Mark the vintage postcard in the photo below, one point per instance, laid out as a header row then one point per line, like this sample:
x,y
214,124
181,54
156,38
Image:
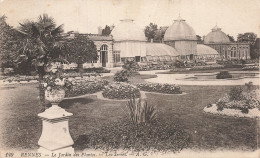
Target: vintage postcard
x,y
129,78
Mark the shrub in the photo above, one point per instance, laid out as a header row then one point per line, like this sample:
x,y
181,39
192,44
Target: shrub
x,y
160,88
179,64
223,75
81,87
140,112
249,85
235,93
123,134
121,76
131,66
120,90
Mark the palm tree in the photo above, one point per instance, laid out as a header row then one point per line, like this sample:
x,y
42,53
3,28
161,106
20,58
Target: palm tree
x,y
41,42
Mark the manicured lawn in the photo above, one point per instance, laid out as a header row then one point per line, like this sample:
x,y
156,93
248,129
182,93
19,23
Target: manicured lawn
x,y
21,128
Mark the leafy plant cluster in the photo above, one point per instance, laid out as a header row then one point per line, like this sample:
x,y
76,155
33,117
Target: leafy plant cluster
x,y
19,78
54,78
123,134
120,90
187,64
223,75
140,112
85,86
239,63
150,66
131,66
160,88
238,99
89,70
77,74
232,63
122,76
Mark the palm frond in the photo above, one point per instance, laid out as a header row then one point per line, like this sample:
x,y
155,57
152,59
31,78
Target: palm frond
x,y
20,31
46,21
57,30
35,31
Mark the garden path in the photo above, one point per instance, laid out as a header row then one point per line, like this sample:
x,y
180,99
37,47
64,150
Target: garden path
x,y
178,79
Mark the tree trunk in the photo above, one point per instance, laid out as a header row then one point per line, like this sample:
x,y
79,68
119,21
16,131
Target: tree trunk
x,y
41,88
80,69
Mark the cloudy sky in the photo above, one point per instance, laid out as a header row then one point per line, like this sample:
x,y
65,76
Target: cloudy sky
x,y
233,16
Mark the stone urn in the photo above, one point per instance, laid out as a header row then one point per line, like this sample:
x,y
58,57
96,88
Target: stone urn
x,y
55,96
55,137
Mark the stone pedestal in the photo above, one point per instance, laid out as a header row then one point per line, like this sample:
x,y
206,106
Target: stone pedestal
x,y
55,131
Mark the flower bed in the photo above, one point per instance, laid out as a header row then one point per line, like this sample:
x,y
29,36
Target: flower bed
x,y
252,113
81,87
255,67
160,88
238,101
77,74
207,67
89,70
120,90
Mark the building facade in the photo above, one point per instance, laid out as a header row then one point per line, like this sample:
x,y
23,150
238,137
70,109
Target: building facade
x,y
219,41
128,42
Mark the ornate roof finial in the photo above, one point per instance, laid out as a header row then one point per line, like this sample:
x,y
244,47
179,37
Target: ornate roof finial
x,y
216,28
179,18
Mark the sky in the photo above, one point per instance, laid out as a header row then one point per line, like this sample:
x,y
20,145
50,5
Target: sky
x,y
85,16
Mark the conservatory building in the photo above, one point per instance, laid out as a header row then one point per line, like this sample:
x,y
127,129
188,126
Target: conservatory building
x,y
128,42
219,41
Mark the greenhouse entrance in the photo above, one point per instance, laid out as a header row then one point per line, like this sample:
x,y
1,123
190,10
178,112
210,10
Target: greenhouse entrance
x,y
103,55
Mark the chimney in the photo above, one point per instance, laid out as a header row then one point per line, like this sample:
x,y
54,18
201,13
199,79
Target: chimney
x,y
100,30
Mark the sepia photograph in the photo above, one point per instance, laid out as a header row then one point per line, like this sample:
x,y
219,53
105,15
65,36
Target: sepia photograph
x,y
129,78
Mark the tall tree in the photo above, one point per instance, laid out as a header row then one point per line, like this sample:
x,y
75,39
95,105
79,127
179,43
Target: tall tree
x,y
81,50
150,31
159,35
249,37
231,38
41,43
106,31
8,44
